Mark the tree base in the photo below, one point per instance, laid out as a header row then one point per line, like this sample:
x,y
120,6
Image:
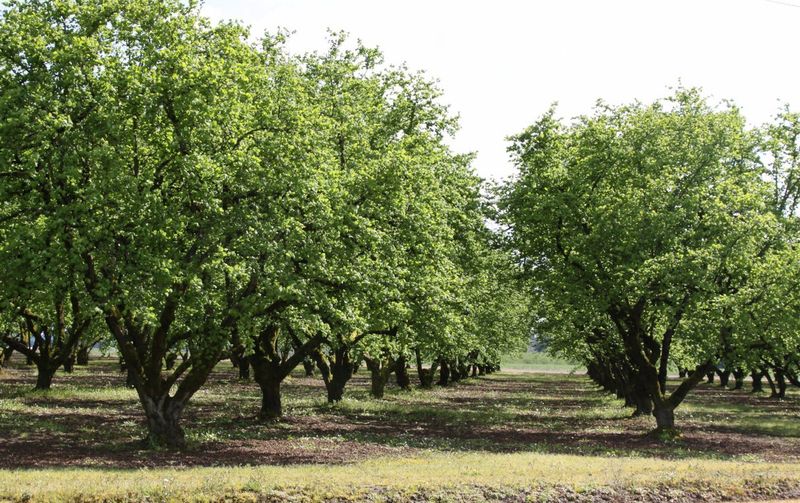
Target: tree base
x,y
665,434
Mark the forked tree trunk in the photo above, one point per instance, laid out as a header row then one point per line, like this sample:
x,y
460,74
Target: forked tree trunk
x,y
270,368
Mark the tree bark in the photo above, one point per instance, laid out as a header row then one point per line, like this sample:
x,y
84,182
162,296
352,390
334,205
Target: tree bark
x,y
444,372
82,356
724,377
665,418
425,375
44,377
308,367
163,422
69,364
757,381
341,372
5,356
270,399
401,373
738,377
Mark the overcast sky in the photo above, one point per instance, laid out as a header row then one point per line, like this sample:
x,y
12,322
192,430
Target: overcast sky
x,y
501,63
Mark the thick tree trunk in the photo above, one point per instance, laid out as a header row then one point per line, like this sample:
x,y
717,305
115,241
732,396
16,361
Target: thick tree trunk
x,y
641,401
44,377
665,418
82,356
710,377
130,379
5,356
757,381
69,363
377,383
244,369
341,372
163,423
738,377
401,373
724,377
270,399
425,375
444,373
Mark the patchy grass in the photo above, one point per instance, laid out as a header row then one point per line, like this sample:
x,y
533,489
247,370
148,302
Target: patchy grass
x,y
539,362
477,476
515,435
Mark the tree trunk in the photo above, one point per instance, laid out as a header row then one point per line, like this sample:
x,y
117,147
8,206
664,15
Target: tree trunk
x,y
244,369
710,377
401,373
130,379
377,382
82,357
724,377
444,373
738,376
44,377
270,398
425,375
780,379
336,385
774,393
757,384
308,366
665,418
163,423
69,363
5,356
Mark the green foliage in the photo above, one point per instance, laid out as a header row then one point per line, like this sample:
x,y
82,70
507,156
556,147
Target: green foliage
x,y
640,225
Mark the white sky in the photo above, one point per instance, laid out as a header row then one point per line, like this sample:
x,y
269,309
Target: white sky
x,y
501,62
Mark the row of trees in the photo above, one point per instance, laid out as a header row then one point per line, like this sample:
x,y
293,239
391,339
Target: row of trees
x,y
199,196
658,237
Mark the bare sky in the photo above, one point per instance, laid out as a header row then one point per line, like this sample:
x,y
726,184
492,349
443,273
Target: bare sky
x,y
501,62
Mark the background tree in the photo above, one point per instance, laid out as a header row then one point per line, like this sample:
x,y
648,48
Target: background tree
x,y
636,221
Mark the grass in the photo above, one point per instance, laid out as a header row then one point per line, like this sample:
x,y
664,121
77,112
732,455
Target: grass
x,y
539,362
430,474
514,435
